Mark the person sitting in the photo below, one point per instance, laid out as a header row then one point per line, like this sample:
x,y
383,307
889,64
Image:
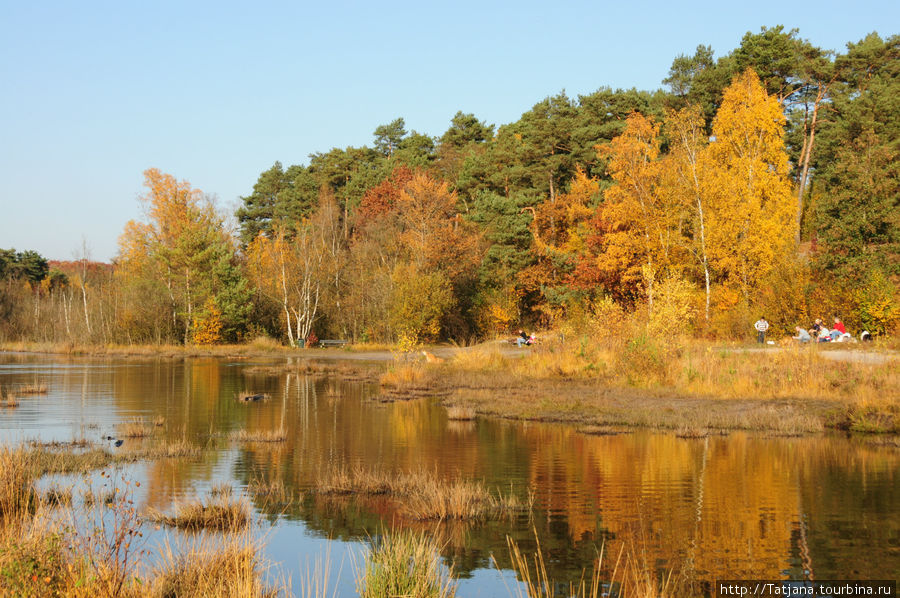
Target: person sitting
x,y
816,327
802,335
839,332
824,335
522,339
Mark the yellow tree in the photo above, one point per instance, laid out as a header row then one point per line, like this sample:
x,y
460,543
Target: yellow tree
x,y
640,221
184,248
559,228
686,180
436,238
751,222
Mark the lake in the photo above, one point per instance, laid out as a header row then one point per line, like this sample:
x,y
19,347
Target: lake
x,y
737,506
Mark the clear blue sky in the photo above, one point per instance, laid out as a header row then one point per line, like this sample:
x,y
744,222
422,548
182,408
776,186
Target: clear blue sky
x,y
93,93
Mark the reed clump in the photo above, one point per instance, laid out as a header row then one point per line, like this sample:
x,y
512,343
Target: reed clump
x,y
424,496
279,435
57,496
405,564
460,413
61,458
10,401
403,376
629,576
269,491
219,514
18,497
35,388
136,428
230,568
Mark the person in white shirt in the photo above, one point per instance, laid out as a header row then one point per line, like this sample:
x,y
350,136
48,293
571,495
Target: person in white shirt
x,y
761,327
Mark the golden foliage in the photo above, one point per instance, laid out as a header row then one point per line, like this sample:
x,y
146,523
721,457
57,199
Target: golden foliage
x,y
207,328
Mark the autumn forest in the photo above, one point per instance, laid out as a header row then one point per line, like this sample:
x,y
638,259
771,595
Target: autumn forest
x,y
762,182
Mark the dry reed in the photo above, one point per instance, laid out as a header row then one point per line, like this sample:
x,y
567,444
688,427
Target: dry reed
x,y
404,564
36,388
220,514
57,496
424,496
271,491
136,428
229,568
629,577
279,435
459,413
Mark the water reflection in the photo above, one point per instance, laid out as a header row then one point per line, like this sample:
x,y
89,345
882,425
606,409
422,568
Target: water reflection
x,y
741,506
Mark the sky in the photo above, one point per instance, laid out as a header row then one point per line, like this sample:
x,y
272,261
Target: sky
x,y
94,93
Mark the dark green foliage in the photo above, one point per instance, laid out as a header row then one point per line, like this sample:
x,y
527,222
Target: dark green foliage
x,y
465,129
28,265
389,136
858,213
279,196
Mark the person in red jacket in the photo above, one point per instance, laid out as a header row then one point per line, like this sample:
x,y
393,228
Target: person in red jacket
x,y
838,330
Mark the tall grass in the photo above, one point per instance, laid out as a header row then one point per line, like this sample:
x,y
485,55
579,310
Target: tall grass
x,y
629,576
101,553
424,496
226,568
650,381
279,435
220,513
17,476
404,564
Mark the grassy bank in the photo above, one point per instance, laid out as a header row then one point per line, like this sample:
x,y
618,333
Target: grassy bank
x,y
261,347
674,384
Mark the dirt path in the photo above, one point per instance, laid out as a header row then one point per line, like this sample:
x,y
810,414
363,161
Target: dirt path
x,y
849,355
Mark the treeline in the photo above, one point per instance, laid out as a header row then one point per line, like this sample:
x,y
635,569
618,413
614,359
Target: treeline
x,y
764,182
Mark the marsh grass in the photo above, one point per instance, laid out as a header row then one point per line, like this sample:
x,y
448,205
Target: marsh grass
x,y
599,430
52,459
403,376
423,496
673,384
102,496
10,401
57,496
221,490
629,576
222,513
279,435
691,433
136,428
459,413
101,555
227,568
35,388
18,497
269,491
404,563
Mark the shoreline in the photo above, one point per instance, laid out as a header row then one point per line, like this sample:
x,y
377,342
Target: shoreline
x,y
496,380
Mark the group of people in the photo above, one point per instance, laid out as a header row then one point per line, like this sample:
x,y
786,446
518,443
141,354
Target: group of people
x,y
821,334
524,339
818,333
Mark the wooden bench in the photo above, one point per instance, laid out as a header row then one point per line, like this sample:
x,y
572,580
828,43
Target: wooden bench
x,y
332,343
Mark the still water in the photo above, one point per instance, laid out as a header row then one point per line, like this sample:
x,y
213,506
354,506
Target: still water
x,y
725,507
